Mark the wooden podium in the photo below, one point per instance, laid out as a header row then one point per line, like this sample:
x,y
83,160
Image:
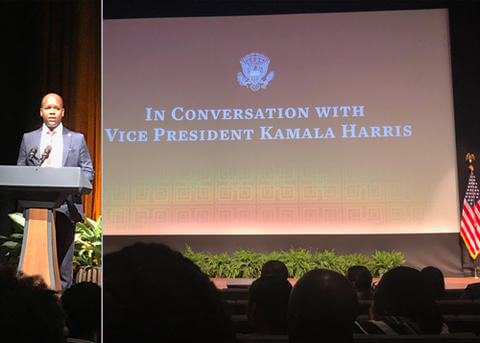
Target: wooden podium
x,y
39,191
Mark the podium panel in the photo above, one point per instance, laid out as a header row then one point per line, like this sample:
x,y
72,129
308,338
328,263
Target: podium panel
x,y
39,248
39,191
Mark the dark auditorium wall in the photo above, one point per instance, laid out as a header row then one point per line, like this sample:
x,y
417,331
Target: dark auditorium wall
x,y
465,52
50,46
443,250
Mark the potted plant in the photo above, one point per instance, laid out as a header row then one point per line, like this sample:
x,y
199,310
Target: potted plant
x,y
87,257
11,245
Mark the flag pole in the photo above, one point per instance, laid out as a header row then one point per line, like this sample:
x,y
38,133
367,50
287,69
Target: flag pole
x,y
475,274
470,158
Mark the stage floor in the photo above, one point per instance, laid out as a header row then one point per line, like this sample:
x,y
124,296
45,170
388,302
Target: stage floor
x,y
450,282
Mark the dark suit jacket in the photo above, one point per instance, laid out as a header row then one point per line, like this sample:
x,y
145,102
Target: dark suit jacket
x,y
75,154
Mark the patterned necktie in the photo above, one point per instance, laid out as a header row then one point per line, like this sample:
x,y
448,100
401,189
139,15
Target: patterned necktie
x,y
51,134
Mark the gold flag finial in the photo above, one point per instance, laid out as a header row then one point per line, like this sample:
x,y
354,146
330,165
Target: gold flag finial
x,y
470,157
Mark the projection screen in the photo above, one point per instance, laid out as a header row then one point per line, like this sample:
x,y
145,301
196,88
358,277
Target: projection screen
x,y
329,123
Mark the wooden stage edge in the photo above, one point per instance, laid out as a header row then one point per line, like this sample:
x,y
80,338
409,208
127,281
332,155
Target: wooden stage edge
x,y
450,282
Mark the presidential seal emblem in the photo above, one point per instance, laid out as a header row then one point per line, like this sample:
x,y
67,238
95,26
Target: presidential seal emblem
x,y
254,67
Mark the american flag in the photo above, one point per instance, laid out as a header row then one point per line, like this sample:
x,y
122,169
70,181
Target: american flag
x,y
470,226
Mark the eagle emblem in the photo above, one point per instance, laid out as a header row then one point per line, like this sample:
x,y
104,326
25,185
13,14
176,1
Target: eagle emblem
x,y
254,67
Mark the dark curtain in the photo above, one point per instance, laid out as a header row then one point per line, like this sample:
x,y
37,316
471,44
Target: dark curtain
x,y
465,48
51,46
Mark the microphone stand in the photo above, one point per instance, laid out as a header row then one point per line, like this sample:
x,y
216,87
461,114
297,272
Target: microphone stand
x,y
39,161
35,160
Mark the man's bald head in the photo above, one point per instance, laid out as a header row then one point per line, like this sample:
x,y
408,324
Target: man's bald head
x,y
51,110
324,304
57,97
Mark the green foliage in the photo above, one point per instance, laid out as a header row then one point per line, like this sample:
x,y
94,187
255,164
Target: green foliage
x,y
276,256
298,262
248,264
88,243
342,263
18,221
383,261
200,259
325,259
11,245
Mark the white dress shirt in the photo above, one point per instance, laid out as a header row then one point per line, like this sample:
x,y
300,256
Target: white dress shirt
x,y
53,138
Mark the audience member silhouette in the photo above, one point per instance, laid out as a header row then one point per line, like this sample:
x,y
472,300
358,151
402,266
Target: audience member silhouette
x,y
472,291
275,268
401,305
268,305
82,306
361,279
434,282
155,294
30,311
322,308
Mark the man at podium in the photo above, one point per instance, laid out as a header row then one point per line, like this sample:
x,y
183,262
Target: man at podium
x,y
55,146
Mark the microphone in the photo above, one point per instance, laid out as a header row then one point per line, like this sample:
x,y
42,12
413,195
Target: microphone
x,y
32,152
45,154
